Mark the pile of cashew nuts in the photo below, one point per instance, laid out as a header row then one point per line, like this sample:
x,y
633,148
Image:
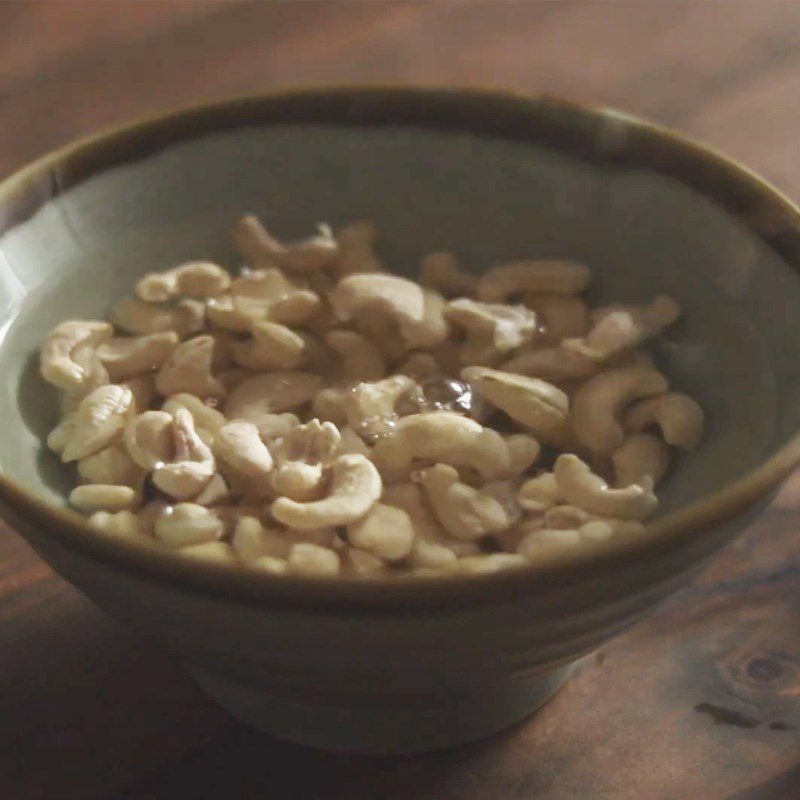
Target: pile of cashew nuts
x,y
318,415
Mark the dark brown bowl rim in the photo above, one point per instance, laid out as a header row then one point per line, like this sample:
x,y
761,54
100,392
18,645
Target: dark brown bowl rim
x,y
598,135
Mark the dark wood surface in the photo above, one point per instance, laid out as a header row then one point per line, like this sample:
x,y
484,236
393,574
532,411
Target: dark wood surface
x,y
701,700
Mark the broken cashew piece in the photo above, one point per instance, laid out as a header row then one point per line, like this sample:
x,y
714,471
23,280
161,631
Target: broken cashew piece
x,y
552,364
582,488
598,404
678,416
443,437
356,249
302,456
313,561
135,316
195,278
642,458
464,512
518,277
560,315
370,408
539,493
192,465
272,346
188,524
355,487
57,359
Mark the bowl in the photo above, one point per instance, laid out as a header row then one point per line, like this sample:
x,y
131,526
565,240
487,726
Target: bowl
x,y
410,665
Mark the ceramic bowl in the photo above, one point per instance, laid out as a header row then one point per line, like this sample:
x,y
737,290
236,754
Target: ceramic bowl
x,y
416,664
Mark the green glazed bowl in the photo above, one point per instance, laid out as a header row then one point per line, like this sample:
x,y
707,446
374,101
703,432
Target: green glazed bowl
x,y
410,665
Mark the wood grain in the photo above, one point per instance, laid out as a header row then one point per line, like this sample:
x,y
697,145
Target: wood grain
x,y
700,700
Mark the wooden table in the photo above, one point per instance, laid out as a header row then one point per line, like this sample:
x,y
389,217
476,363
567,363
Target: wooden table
x,y
701,700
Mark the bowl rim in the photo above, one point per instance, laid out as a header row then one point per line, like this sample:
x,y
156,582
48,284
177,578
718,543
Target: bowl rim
x,y
584,131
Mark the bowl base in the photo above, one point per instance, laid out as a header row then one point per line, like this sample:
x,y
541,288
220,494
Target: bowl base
x,y
383,725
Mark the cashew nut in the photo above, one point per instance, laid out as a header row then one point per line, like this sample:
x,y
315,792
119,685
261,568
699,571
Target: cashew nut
x,y
273,346
356,253
129,357
206,419
251,541
361,360
552,364
258,247
57,359
420,366
532,402
124,525
355,486
464,512
619,328
641,458
492,329
523,450
433,328
215,491
398,298
302,457
582,488
189,370
143,388
112,465
260,398
539,493
598,404
492,562
195,278
135,316
100,418
313,561
559,315
679,417
371,407
386,532
442,272
363,563
188,524
518,277
192,465
102,497
239,445
443,437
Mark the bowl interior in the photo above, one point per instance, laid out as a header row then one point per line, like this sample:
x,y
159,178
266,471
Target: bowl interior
x,y
737,348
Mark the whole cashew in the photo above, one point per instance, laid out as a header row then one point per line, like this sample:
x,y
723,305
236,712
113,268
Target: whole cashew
x,y
442,272
523,450
188,524
258,247
100,418
443,437
112,466
189,370
102,497
251,541
399,298
272,346
539,493
597,405
356,253
433,328
135,316
355,487
552,364
518,277
361,360
371,407
239,445
386,532
561,315
196,278
207,420
679,417
641,458
532,402
129,357
57,362
464,512
581,487
313,561
619,328
269,394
